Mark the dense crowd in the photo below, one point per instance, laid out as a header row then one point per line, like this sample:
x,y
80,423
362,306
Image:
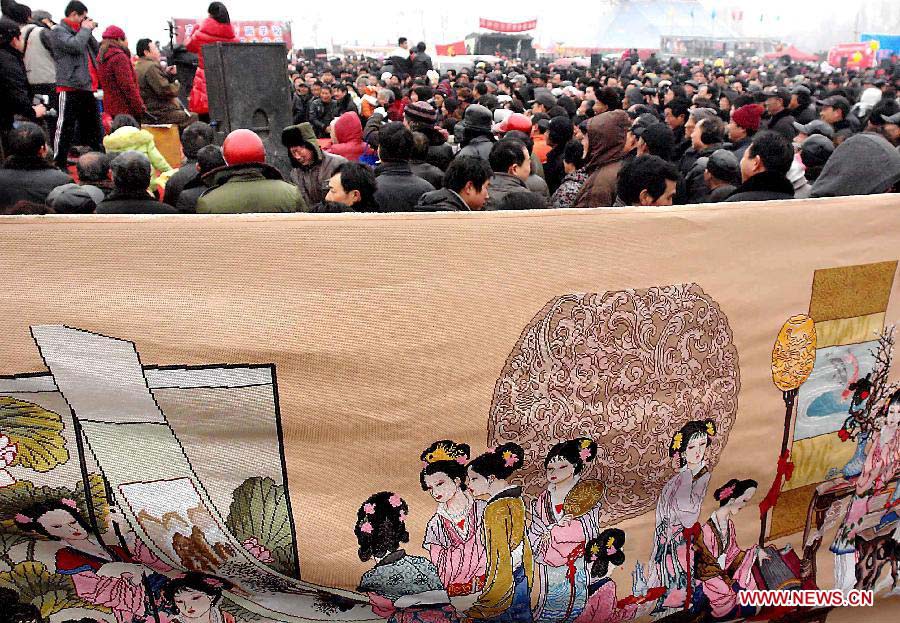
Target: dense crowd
x,y
398,135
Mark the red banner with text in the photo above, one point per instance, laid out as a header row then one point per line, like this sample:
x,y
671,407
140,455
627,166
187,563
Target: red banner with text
x,y
496,26
451,49
261,31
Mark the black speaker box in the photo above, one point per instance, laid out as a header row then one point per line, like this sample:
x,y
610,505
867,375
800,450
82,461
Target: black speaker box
x,y
248,87
596,60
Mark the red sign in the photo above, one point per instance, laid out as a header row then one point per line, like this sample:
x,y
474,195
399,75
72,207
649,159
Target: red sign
x,y
265,31
451,49
496,26
858,55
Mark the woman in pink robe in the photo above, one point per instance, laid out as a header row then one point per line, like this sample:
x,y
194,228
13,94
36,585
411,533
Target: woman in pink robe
x,y
558,538
723,568
677,512
454,537
83,558
603,555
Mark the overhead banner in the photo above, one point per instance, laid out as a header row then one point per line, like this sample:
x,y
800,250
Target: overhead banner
x,y
582,416
259,31
491,24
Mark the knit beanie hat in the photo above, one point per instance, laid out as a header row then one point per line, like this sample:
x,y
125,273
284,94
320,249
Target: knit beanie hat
x,y
114,32
421,112
748,117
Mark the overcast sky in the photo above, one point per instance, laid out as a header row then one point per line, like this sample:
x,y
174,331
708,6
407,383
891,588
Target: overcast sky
x,y
575,22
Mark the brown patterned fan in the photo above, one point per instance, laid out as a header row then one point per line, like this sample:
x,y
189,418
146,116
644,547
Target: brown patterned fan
x,y
583,497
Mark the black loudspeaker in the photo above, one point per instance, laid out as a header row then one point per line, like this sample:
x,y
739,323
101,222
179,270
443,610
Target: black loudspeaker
x,y
596,60
309,54
248,87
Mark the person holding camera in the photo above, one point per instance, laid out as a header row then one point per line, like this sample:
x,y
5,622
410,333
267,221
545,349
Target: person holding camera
x,y
14,93
75,50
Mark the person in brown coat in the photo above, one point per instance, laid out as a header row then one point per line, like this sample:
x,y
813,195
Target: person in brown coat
x,y
606,135
159,89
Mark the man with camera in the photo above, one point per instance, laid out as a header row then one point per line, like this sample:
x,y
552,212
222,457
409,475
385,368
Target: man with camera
x,y
75,51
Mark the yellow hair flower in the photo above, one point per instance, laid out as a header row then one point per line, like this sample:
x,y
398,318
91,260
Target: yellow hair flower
x,y
676,441
710,429
611,542
585,444
595,549
440,453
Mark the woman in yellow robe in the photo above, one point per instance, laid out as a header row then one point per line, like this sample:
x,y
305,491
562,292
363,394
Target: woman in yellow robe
x,y
507,593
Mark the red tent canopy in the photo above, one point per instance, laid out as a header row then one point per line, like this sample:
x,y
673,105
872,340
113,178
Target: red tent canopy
x,y
794,53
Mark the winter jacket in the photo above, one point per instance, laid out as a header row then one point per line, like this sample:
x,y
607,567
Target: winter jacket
x,y
301,108
443,200
503,185
312,180
28,179
765,186
121,95
398,190
190,195
783,123
536,184
864,164
693,188
720,193
348,131
606,142
132,203
74,53
554,168
480,147
249,188
565,195
14,93
159,92
427,172
134,139
210,32
39,61
321,115
740,147
421,64
180,180
75,199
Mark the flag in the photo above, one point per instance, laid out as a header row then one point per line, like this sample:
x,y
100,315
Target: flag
x,y
451,49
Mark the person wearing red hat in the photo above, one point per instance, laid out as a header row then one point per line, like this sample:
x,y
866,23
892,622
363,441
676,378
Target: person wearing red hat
x,y
743,125
121,95
247,184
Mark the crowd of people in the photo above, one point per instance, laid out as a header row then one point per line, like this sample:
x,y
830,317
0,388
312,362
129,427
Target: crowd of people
x,y
397,135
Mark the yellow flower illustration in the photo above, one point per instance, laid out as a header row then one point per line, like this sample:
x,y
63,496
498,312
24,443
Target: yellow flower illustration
x,y
595,549
611,542
585,444
710,429
676,441
439,454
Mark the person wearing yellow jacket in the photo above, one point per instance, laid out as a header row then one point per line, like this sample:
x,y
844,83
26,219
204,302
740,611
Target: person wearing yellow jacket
x,y
506,597
126,135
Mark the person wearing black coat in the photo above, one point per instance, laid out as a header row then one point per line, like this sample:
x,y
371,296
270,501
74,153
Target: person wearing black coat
x,y
131,176
27,174
302,100
421,62
15,98
764,169
398,190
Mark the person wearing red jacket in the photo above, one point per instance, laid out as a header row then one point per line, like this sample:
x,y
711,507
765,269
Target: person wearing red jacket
x,y
214,29
121,95
348,138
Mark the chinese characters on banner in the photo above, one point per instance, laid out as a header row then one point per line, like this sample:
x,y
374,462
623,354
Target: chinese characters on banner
x,y
496,26
265,31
